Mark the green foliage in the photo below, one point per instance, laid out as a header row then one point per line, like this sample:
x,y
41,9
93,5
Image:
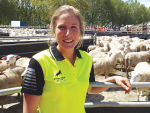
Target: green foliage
x,y
45,8
95,12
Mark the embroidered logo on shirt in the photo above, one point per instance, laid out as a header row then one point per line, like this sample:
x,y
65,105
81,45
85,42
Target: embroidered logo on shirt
x,y
58,78
61,79
58,73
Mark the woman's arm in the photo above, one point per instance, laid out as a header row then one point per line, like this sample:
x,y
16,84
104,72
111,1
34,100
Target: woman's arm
x,y
121,81
32,87
30,103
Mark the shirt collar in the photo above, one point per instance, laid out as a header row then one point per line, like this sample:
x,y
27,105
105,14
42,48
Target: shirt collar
x,y
57,55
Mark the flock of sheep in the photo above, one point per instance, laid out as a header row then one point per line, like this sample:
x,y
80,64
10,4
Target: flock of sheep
x,y
12,69
14,32
111,52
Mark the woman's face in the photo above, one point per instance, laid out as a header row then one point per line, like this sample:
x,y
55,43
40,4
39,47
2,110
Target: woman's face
x,y
67,31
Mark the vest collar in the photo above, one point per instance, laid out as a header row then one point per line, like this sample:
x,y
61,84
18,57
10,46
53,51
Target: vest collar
x,y
57,55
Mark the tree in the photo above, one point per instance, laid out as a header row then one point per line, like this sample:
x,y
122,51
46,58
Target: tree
x,y
45,8
99,13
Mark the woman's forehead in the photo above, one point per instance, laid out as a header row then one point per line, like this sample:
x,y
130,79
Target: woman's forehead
x,y
67,18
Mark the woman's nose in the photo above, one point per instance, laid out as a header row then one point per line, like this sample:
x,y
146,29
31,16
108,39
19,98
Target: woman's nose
x,y
68,32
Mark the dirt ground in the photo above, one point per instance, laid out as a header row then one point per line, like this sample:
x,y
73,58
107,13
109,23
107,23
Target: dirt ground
x,y
13,105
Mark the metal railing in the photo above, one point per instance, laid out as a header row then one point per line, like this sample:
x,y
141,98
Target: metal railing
x,y
23,43
122,32
97,104
116,104
22,37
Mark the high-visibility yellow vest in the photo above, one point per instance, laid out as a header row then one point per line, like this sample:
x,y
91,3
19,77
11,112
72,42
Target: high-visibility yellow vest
x,y
65,85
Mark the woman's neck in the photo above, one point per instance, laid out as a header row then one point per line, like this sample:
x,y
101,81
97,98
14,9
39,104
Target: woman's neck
x,y
69,54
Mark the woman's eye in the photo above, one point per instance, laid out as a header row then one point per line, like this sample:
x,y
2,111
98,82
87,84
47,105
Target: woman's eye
x,y
73,27
61,27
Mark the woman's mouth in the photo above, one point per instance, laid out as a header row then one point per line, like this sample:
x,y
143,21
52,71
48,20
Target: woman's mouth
x,y
68,41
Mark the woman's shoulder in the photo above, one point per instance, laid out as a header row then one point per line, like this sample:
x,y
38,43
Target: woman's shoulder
x,y
84,53
41,54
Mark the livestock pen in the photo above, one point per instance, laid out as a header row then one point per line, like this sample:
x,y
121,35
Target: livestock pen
x,y
104,107
30,45
28,48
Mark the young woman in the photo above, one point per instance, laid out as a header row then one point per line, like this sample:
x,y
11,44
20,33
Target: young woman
x,y
57,79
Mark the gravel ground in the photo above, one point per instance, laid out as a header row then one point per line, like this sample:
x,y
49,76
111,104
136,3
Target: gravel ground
x,y
13,105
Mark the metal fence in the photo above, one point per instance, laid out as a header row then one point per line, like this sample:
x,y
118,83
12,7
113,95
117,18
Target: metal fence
x,y
97,104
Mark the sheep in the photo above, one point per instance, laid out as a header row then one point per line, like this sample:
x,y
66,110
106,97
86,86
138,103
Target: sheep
x,y
116,46
133,48
104,38
97,54
133,58
91,47
23,62
105,65
139,45
103,49
121,61
147,47
135,39
11,59
8,61
9,78
141,73
3,65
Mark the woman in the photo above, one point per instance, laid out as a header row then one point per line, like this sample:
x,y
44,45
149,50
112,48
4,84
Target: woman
x,y
57,79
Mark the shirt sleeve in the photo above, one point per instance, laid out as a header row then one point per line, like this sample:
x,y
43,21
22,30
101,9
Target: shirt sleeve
x,y
34,79
92,77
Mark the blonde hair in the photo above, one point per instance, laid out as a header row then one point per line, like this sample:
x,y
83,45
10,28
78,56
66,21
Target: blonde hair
x,y
63,9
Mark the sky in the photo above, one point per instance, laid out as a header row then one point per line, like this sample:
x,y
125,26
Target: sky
x,y
145,2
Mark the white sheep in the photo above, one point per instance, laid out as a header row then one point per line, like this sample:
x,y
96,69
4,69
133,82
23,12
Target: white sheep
x,y
121,61
139,45
97,54
116,46
8,61
105,48
105,65
23,62
133,58
133,48
9,78
11,59
147,47
91,47
141,73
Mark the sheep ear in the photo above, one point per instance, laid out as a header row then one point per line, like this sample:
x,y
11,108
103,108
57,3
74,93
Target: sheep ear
x,y
17,56
4,58
130,73
109,54
0,62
